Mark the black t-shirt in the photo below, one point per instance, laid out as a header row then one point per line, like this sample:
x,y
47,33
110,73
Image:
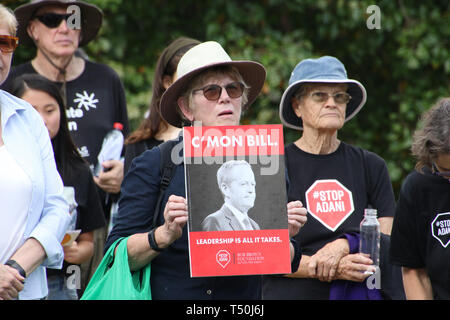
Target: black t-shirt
x,y
89,211
95,100
335,188
421,231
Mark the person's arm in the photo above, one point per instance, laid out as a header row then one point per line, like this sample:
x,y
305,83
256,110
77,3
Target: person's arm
x,y
30,255
386,224
43,245
110,180
324,263
417,284
81,250
175,218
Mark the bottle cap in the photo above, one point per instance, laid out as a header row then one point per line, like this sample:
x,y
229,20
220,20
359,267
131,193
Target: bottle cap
x,y
118,126
370,212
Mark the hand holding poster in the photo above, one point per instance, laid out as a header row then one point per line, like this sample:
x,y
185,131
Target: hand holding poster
x,y
235,187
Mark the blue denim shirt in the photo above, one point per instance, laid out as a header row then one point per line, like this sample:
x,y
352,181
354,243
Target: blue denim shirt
x,y
26,138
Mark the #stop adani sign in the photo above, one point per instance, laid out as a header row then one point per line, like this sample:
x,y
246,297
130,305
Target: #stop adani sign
x,y
329,202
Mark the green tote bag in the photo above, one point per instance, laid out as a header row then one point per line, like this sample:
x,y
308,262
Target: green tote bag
x,y
113,279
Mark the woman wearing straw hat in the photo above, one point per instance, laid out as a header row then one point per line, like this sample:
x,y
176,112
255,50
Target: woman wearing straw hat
x,y
212,89
318,101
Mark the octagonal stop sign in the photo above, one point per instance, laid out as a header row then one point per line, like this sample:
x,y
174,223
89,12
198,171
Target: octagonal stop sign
x,y
329,202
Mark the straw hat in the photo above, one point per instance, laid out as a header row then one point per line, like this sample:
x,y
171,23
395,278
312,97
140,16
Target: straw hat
x,y
325,69
91,18
199,58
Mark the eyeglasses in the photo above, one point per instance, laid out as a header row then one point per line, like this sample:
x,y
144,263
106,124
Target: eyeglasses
x,y
52,20
339,97
212,92
8,43
444,174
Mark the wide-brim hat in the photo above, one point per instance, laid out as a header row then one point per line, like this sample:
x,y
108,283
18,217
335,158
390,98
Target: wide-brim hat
x,y
199,58
325,69
91,18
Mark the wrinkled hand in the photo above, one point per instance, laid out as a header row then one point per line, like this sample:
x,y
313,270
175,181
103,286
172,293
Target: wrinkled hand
x,y
352,267
175,218
296,217
111,177
324,263
11,283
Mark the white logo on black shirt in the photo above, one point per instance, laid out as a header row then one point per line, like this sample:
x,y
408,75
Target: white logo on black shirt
x,y
440,228
86,101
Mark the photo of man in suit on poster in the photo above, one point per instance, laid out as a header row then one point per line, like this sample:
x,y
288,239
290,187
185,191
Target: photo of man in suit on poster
x,y
236,182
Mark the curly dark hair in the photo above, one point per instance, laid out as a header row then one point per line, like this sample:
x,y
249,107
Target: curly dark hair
x,y
433,136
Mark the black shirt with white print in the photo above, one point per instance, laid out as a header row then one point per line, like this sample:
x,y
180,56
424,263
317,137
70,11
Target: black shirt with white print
x,y
95,100
421,232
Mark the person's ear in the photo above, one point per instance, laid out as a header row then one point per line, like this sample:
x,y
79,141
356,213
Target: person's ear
x,y
166,81
184,107
225,190
31,30
295,103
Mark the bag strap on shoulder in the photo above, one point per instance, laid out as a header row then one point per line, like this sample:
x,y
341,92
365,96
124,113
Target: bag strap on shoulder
x,y
166,168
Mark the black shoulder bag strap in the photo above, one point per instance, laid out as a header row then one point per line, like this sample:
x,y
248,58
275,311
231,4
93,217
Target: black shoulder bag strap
x,y
166,168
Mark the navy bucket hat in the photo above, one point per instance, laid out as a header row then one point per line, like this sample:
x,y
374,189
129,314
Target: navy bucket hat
x,y
325,69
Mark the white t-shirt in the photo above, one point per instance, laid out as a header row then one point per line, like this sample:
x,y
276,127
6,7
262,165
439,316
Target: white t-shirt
x,y
15,198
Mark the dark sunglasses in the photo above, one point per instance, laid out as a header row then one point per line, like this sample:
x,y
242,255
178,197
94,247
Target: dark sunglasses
x,y
52,20
8,43
212,92
444,174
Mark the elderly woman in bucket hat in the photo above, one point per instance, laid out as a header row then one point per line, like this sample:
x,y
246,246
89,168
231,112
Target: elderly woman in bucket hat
x,y
318,101
210,89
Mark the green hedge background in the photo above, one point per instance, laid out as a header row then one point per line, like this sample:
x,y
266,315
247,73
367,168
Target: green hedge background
x,y
404,65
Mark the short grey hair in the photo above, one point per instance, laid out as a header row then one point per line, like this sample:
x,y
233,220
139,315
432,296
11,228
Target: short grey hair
x,y
8,19
432,139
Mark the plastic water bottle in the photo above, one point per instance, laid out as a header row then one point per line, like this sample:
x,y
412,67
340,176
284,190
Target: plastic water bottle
x,y
111,147
370,236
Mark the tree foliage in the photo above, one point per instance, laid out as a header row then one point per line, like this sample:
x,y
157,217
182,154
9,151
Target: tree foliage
x,y
404,65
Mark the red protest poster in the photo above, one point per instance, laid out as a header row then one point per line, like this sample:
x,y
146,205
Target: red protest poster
x,y
236,193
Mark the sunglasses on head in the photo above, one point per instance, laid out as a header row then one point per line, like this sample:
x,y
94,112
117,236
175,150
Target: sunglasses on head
x,y
8,43
213,92
52,20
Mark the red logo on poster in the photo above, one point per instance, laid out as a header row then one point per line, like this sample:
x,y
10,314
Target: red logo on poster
x,y
223,258
329,202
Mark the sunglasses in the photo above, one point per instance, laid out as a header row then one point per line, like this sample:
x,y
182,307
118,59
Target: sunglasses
x,y
8,43
339,97
52,20
444,174
212,92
